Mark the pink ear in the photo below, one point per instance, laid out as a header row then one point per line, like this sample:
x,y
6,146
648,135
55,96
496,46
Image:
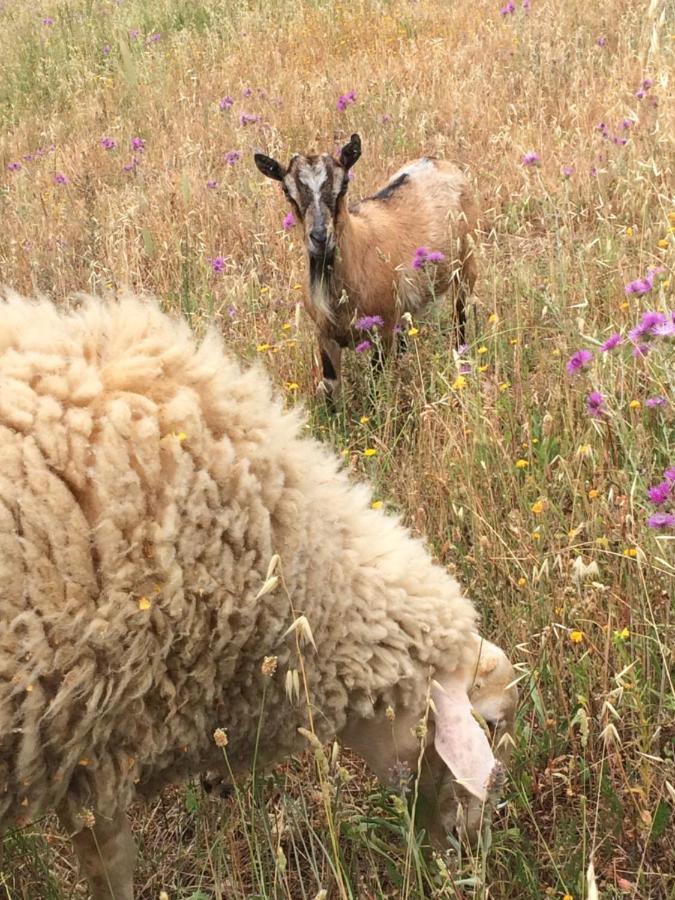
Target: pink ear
x,y
460,741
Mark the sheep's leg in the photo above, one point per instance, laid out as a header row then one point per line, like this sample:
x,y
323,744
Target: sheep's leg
x,y
107,854
331,365
465,285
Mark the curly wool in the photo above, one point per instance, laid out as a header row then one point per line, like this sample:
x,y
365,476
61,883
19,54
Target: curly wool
x,y
145,483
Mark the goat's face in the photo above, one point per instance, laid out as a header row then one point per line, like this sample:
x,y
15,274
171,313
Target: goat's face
x,y
315,187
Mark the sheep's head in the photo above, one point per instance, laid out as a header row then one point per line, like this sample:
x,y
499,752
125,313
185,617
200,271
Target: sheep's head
x,y
462,770
315,186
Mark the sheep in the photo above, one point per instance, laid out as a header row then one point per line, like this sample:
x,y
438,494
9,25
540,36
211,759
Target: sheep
x,y
147,483
387,255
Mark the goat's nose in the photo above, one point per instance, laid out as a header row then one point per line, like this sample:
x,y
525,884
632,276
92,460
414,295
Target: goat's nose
x,y
318,235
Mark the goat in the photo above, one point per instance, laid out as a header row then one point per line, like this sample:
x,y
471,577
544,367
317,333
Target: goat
x,y
382,257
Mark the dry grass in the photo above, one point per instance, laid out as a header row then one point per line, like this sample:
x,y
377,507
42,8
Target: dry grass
x,y
593,773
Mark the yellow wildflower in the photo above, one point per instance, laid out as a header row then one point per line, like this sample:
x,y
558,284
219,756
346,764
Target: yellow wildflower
x,y
538,507
144,603
536,536
181,436
671,216
522,464
522,582
624,305
493,319
292,386
629,232
593,494
459,383
504,386
286,326
413,331
602,542
264,290
567,897
635,404
584,450
297,287
482,350
576,636
513,341
631,552
535,440
482,368
364,420
261,348
376,504
663,244
369,451
622,635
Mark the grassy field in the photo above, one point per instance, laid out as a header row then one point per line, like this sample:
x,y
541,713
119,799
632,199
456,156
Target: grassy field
x,y
126,138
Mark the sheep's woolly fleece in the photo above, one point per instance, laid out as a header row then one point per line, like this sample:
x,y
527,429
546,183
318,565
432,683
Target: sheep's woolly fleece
x,y
145,483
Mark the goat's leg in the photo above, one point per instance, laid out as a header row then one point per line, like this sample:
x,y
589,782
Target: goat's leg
x,y
107,854
331,366
464,289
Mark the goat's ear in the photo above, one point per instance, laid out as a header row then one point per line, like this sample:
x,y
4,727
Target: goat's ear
x,y
350,152
459,740
269,167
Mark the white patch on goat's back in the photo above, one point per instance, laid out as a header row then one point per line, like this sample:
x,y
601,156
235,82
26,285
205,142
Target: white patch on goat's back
x,y
418,167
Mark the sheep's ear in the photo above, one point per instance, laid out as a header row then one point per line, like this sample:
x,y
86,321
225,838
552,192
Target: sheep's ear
x,y
269,167
460,741
350,152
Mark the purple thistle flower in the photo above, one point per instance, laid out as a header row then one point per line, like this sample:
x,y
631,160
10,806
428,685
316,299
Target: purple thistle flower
x,y
627,123
526,5
47,21
138,144
133,34
619,141
612,341
106,49
345,100
595,405
646,325
601,42
656,401
567,171
643,285
508,9
226,103
435,256
646,84
131,165
153,38
669,474
60,178
578,360
659,493
212,184
386,118
367,322
640,350
248,118
661,520
289,221
14,166
246,92
363,346
218,264
29,157
232,157
603,129
640,94
108,143
531,159
232,312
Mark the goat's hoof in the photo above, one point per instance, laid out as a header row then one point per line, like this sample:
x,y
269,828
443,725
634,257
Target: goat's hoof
x,y
328,389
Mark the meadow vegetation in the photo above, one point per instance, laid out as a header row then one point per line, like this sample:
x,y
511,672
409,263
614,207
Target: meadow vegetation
x,y
539,463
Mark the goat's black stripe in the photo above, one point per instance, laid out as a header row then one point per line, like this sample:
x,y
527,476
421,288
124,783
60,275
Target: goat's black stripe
x,y
387,192
327,366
